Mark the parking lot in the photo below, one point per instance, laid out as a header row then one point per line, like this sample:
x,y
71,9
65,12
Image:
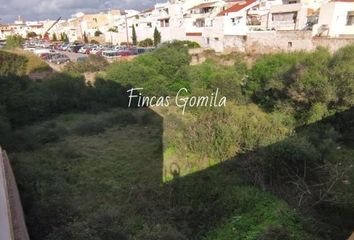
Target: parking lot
x,y
72,55
59,53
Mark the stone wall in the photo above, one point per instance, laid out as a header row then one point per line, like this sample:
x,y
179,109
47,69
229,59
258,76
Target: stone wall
x,y
275,41
234,43
333,44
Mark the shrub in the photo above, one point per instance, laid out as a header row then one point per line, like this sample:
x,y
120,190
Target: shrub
x,y
221,134
98,33
190,44
210,76
341,70
14,41
89,128
12,64
94,63
148,42
121,117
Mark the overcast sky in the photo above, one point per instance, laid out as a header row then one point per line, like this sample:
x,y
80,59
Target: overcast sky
x,y
52,9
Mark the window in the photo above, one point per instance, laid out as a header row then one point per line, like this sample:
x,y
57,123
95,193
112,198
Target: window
x,y
350,18
284,17
208,41
290,44
149,24
236,20
165,22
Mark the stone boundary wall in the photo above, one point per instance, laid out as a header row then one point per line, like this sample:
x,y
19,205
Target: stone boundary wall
x,y
261,42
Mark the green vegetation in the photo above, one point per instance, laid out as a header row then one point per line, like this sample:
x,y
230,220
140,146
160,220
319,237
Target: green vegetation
x,y
90,168
31,35
14,41
33,62
64,37
85,38
93,63
54,37
12,64
98,33
148,42
95,184
157,37
134,37
190,44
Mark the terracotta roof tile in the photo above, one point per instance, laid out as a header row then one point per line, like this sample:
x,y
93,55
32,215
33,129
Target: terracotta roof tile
x,y
237,7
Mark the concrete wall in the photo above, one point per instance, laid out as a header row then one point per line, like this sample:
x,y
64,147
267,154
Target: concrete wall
x,y
12,221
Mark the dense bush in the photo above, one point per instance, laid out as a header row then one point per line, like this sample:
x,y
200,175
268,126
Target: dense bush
x,y
12,64
161,72
314,84
89,128
93,63
186,43
14,41
341,70
148,42
26,101
209,76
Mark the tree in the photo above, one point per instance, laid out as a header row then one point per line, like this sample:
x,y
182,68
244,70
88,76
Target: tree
x,y
134,38
157,37
66,39
14,41
54,37
113,29
148,42
31,35
85,38
98,33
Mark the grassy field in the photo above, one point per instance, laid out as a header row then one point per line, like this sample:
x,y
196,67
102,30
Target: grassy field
x,y
100,176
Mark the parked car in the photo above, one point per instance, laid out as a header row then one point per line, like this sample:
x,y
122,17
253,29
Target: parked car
x,y
82,59
74,48
83,49
110,54
124,53
60,59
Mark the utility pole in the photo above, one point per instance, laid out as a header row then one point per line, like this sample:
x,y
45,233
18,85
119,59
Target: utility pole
x,y
126,29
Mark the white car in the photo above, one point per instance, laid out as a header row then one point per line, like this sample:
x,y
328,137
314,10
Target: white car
x,y
110,54
94,50
39,51
29,49
82,49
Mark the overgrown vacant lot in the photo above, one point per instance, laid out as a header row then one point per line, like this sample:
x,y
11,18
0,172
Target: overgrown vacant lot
x,y
88,169
101,178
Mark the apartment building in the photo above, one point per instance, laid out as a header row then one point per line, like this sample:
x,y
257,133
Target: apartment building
x,y
336,19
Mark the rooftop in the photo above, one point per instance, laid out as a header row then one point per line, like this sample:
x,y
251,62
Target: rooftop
x,y
237,7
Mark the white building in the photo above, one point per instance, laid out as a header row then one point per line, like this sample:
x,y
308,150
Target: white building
x,y
336,19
